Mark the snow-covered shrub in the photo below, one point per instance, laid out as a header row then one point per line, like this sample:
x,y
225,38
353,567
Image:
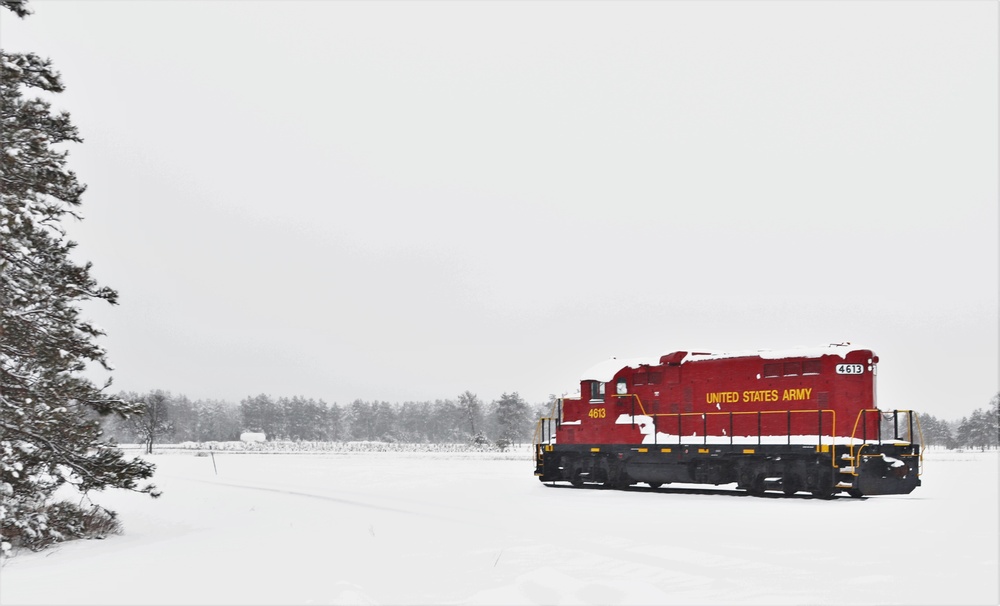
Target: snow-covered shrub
x,y
38,527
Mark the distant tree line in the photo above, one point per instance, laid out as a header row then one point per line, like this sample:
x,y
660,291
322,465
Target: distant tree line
x,y
170,418
175,418
507,420
979,430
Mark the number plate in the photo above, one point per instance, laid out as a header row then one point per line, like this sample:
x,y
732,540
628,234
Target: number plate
x,y
850,369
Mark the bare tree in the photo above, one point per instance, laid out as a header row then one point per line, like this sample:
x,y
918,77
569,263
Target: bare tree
x,y
153,420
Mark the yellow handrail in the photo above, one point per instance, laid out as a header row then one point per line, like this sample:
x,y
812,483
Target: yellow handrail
x,y
536,438
856,459
920,430
833,413
855,456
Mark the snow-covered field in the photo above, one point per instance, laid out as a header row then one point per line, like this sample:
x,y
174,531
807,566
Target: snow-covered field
x,y
459,528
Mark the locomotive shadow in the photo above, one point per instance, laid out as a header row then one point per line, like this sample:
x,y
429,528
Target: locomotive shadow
x,y
715,492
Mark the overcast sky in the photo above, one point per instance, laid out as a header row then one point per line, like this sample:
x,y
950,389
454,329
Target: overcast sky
x,y
403,201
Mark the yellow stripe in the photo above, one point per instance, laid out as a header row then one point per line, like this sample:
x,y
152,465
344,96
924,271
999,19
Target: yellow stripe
x,y
748,451
702,450
666,450
595,450
643,450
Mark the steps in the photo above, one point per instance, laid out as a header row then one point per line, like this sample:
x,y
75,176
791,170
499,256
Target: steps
x,y
847,476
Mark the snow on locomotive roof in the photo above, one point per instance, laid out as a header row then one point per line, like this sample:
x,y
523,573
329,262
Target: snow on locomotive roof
x,y
833,349
606,370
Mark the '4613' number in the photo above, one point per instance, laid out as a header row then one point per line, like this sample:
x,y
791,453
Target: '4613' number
x,y
850,369
597,413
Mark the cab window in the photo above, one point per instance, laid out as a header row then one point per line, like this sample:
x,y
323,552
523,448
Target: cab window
x,y
596,390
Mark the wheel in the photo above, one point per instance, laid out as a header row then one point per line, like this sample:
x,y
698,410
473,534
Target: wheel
x,y
854,492
823,485
745,481
790,485
620,482
655,485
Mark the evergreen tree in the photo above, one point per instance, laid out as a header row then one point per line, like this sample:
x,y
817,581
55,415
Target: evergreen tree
x,y
446,422
50,434
361,420
384,421
303,418
222,421
261,413
936,432
981,429
472,409
333,421
992,420
184,419
513,418
413,421
293,413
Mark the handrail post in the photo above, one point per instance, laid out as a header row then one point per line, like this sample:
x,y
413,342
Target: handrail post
x,y
730,428
633,410
864,427
895,425
909,422
879,427
789,413
680,428
819,427
758,428
704,426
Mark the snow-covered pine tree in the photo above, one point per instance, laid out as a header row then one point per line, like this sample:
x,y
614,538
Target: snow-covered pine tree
x,y
935,431
982,428
49,432
512,417
472,410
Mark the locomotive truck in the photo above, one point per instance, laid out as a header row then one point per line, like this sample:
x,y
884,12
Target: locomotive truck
x,y
800,420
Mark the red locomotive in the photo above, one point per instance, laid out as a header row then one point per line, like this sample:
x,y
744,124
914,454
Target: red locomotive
x,y
795,420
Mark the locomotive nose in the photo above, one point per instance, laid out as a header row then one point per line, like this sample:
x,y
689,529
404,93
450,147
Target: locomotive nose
x,y
893,472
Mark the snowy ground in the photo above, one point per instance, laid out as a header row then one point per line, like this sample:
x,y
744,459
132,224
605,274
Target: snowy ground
x,y
452,528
